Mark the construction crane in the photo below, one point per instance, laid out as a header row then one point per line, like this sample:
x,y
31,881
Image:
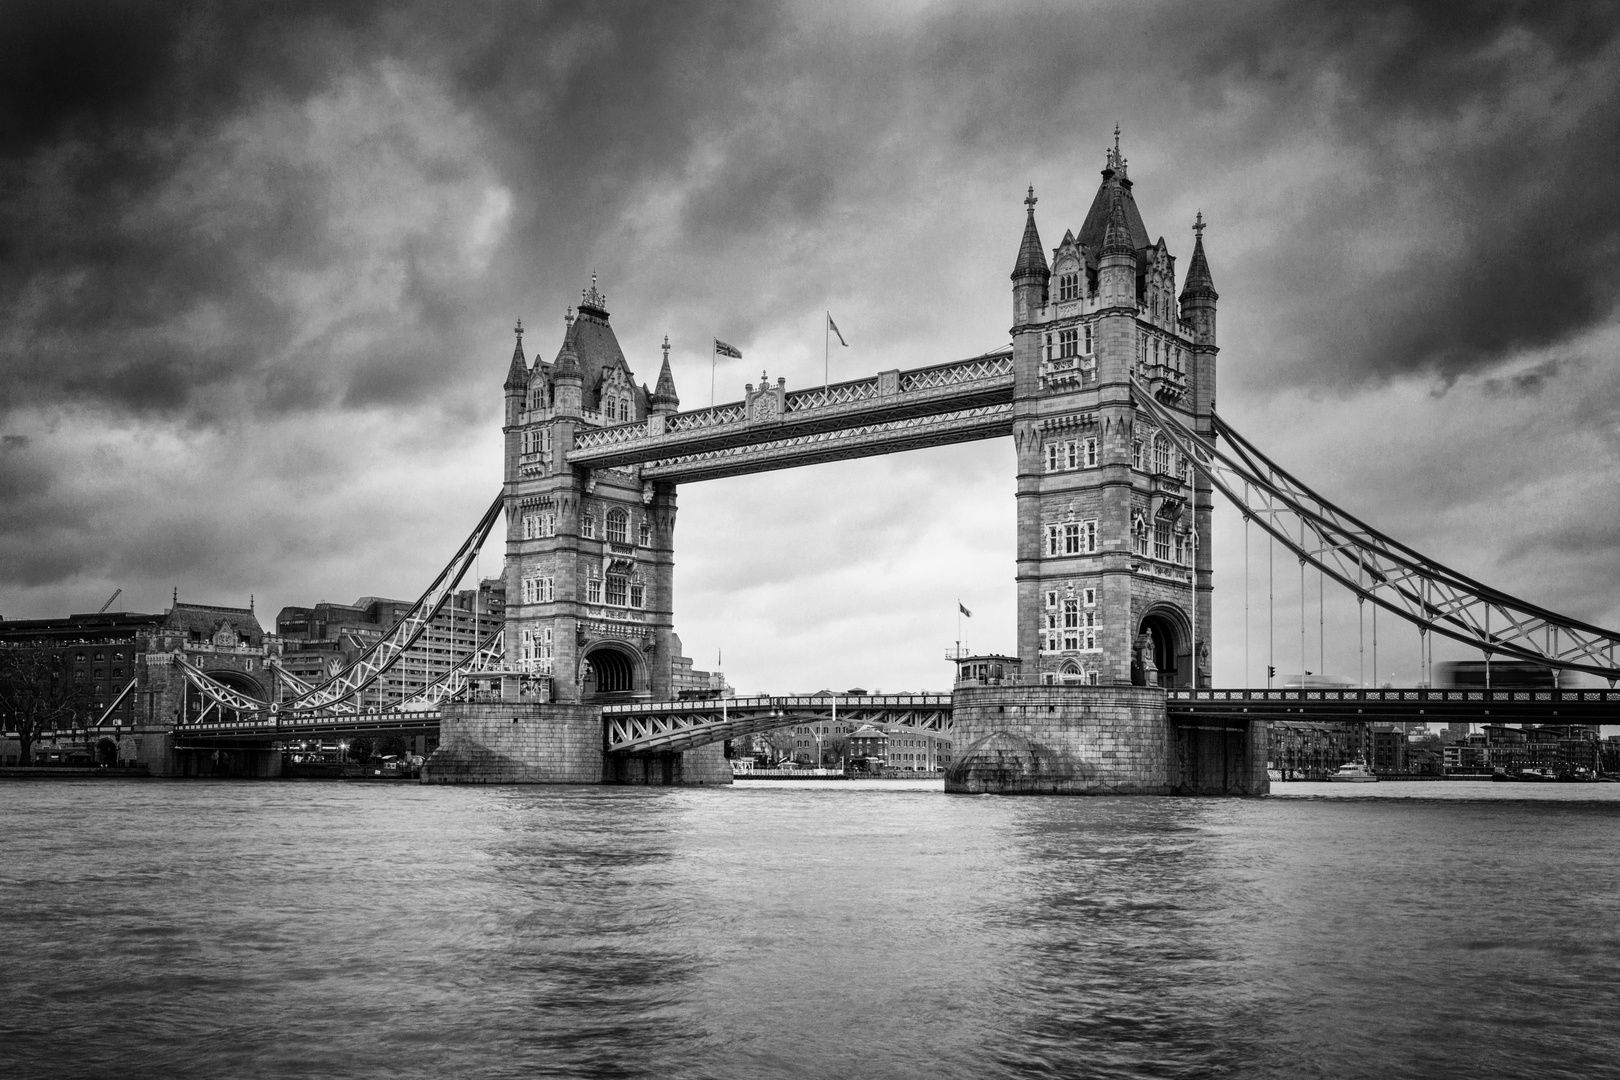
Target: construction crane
x,y
116,594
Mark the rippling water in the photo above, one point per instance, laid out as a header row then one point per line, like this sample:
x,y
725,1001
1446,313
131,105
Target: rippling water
x,y
203,929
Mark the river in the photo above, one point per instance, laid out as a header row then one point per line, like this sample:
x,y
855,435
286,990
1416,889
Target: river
x,y
309,929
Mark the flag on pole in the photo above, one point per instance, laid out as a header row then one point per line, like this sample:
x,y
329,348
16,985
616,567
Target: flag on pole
x,y
963,609
722,349
834,328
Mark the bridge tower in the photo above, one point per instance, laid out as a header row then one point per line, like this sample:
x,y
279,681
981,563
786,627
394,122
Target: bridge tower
x,y
589,552
1113,527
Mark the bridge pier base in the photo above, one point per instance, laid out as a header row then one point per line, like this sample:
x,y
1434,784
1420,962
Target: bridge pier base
x,y
1092,740
531,743
517,743
702,765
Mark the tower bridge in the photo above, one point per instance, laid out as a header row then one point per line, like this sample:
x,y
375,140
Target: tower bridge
x,y
1107,389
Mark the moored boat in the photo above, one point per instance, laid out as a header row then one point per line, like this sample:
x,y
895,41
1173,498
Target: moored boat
x,y
1354,772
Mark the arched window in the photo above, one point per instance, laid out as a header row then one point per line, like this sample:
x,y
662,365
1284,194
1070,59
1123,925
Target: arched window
x,y
618,527
1161,455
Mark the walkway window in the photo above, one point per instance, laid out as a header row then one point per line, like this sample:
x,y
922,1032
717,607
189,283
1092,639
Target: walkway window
x,y
618,527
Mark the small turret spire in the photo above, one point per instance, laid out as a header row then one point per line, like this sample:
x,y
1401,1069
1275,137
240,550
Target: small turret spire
x,y
1199,282
664,393
1117,237
517,374
1031,256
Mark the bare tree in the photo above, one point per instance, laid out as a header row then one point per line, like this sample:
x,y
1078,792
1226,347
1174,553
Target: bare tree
x,y
40,692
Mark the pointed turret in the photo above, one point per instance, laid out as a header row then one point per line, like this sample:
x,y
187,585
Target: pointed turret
x,y
1117,237
517,376
1031,256
567,378
1031,274
1198,296
1116,260
1199,280
664,399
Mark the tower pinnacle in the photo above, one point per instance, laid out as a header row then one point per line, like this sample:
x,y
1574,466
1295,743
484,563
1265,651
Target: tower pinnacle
x,y
1031,257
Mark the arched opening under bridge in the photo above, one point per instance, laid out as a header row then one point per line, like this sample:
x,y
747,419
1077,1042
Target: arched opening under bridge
x,y
612,672
239,681
1162,656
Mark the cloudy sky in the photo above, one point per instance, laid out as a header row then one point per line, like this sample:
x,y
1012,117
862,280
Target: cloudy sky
x,y
259,269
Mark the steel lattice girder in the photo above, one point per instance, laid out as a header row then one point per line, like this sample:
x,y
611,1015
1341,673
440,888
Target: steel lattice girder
x,y
841,407
683,725
1412,703
387,651
865,440
483,663
1376,567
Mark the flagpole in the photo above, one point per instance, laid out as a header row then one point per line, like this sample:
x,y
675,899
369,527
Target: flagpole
x,y
826,350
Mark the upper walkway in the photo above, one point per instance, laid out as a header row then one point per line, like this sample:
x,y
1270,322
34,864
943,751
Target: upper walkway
x,y
775,428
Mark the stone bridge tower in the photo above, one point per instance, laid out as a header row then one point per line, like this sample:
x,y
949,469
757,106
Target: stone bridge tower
x,y
1113,526
589,552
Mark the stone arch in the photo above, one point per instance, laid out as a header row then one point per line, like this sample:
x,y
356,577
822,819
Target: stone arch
x,y
106,751
1161,654
612,671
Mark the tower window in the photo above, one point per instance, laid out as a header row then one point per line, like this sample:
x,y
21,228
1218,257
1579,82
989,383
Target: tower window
x,y
1161,541
618,590
1068,342
638,594
1089,346
593,585
1091,453
587,526
1068,287
618,527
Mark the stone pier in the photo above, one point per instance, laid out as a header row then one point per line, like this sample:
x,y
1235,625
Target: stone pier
x,y
530,743
1093,740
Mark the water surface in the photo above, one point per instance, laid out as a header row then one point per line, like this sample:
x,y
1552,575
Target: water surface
x,y
202,929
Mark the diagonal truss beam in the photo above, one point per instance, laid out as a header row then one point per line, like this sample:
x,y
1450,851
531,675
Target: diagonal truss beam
x,y
384,653
1379,568
682,725
484,662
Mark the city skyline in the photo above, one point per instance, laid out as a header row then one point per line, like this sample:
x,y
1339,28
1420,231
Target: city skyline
x,y
264,278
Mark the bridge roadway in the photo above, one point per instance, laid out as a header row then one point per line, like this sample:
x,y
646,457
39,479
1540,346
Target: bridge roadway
x,y
775,428
681,725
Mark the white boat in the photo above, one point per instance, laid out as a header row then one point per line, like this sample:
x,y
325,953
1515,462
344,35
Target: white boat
x,y
1354,772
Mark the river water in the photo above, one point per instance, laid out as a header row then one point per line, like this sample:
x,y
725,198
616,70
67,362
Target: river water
x,y
202,929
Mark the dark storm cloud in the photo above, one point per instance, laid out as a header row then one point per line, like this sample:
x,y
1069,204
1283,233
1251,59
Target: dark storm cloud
x,y
101,106
306,214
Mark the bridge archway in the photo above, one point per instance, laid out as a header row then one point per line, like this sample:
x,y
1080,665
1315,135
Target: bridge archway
x,y
1165,639
612,671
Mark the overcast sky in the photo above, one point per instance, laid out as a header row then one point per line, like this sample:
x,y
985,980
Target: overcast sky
x,y
259,271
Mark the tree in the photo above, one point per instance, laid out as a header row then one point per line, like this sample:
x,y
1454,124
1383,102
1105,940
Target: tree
x,y
360,749
393,744
39,692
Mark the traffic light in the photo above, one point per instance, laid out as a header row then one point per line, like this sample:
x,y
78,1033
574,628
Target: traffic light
x,y
1271,673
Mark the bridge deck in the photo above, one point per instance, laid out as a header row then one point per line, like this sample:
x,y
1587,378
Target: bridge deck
x,y
1411,704
681,725
891,411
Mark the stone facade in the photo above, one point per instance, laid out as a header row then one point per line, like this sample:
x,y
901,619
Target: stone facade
x,y
1060,740
1113,525
589,553
517,743
526,743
